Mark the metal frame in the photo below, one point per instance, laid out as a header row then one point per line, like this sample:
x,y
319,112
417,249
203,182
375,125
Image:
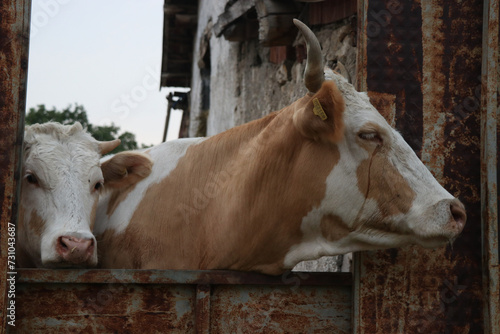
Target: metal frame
x,y
489,165
14,46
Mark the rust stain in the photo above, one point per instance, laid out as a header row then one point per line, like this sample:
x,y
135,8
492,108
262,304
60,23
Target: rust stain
x,y
105,308
256,309
433,87
202,312
419,56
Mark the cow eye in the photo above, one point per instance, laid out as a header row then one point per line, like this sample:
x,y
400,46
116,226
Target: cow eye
x,y
371,136
31,178
98,186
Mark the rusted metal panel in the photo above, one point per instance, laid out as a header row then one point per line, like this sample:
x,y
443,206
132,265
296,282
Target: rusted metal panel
x,y
14,42
202,313
104,308
489,165
263,309
415,55
165,301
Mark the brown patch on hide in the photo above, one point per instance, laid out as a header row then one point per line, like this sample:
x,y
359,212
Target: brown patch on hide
x,y
333,228
118,251
378,179
234,201
26,233
36,224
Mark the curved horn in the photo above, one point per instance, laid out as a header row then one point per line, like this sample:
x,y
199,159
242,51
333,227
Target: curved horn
x,y
108,146
342,70
313,75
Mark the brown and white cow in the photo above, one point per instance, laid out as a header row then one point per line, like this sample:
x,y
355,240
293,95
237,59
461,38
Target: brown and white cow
x,y
324,176
62,180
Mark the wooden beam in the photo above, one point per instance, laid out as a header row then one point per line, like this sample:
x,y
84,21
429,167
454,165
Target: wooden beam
x,y
242,29
275,22
239,8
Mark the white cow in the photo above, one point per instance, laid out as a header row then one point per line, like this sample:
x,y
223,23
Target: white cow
x,y
61,182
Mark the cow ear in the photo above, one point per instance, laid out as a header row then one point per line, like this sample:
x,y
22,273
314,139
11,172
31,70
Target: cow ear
x,y
321,117
125,169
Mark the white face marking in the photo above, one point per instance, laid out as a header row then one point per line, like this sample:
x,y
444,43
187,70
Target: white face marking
x,y
165,158
428,213
66,170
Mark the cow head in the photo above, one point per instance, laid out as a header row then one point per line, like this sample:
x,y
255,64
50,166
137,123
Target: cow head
x,y
61,182
378,193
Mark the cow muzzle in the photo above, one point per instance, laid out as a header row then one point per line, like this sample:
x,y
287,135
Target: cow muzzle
x,y
442,223
76,251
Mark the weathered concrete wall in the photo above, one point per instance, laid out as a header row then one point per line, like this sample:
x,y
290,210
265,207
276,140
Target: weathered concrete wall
x,y
245,85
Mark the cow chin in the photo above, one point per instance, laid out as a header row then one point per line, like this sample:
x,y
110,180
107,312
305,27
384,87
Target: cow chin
x,y
60,263
435,241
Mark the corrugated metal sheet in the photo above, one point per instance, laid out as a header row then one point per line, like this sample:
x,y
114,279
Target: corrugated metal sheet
x,y
14,40
422,62
164,301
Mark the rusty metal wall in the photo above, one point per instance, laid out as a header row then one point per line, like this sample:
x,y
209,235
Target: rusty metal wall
x,y
420,61
14,42
166,301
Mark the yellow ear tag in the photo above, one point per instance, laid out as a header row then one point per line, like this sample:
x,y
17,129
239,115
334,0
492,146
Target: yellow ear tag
x,y
318,110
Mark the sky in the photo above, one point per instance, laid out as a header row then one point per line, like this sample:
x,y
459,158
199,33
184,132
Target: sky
x,y
104,55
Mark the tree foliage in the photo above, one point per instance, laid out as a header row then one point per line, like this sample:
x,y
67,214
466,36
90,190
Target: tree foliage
x,y
70,115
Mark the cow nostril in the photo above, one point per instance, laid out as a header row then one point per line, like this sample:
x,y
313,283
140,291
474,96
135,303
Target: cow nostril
x,y
63,244
458,213
90,247
75,248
